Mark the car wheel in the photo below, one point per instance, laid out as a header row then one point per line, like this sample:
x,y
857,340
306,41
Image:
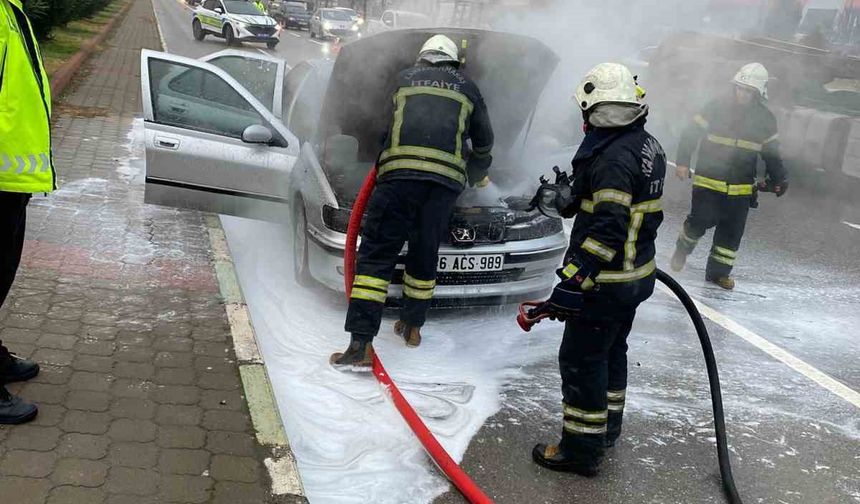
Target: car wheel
x,y
197,30
228,35
272,44
300,246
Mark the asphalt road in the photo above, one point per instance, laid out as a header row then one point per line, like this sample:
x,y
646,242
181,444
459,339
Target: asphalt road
x,y
794,439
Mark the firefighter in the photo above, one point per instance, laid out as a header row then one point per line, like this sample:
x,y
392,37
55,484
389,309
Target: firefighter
x,y
731,133
421,171
260,6
609,269
26,167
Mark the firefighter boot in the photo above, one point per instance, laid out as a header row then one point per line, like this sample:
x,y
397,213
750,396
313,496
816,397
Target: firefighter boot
x,y
613,428
14,368
679,260
725,282
551,457
14,410
357,358
410,334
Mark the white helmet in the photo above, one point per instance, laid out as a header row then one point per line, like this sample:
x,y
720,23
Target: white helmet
x,y
754,76
608,82
438,49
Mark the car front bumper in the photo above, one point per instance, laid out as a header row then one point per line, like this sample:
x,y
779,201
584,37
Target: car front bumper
x,y
529,270
245,35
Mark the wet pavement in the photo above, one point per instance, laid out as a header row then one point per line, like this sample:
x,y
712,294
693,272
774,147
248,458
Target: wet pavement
x,y
792,441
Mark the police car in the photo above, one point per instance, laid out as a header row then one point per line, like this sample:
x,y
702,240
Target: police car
x,y
235,21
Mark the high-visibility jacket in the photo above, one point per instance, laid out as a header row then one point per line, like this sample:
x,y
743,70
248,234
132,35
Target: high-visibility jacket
x,y
260,6
26,163
437,110
618,177
731,138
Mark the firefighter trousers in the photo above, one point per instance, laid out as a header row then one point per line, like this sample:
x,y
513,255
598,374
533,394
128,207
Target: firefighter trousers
x,y
399,211
593,364
729,215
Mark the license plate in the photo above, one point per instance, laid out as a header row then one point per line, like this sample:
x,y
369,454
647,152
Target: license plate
x,y
471,263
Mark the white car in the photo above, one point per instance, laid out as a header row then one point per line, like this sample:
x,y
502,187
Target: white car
x,y
235,21
332,23
296,148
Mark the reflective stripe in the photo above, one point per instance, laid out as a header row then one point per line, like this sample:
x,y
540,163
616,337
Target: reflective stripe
x,y
482,152
725,260
725,252
581,428
615,406
627,276
445,93
734,142
400,107
425,166
589,416
569,270
772,138
691,241
418,284
616,395
421,294
598,249
368,295
722,187
701,121
465,111
636,221
651,206
369,281
612,196
425,152
587,206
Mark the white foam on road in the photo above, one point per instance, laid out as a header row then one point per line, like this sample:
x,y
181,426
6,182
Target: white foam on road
x,y
851,224
350,442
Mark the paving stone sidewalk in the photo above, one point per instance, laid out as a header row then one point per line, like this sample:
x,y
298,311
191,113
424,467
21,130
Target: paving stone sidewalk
x,y
140,397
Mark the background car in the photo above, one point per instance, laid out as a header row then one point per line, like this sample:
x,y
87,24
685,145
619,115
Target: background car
x,y
302,161
291,14
399,20
356,17
235,21
330,23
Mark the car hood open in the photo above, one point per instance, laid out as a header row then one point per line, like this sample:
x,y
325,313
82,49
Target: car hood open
x,y
511,71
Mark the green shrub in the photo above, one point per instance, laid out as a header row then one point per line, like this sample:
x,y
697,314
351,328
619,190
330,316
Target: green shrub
x,y
47,14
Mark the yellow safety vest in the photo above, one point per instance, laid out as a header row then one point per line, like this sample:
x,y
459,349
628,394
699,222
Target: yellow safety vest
x,y
26,164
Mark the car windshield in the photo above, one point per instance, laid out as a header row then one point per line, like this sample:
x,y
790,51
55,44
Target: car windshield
x,y
257,76
412,20
351,13
241,7
295,7
336,15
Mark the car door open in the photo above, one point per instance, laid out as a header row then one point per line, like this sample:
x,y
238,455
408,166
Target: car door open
x,y
210,144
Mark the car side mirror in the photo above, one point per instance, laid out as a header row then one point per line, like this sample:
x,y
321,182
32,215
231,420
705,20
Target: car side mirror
x,y
219,10
257,134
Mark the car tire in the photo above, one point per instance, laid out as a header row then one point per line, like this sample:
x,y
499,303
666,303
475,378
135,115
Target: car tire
x,y
197,30
272,44
301,266
229,36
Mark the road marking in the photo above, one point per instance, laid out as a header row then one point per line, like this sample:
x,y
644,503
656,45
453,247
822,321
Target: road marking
x,y
851,224
296,35
158,25
821,378
317,42
264,52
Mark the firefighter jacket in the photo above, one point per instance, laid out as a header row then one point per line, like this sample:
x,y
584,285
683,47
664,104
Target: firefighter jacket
x,y
437,110
731,138
618,174
26,164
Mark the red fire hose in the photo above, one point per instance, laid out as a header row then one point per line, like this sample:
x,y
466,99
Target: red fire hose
x,y
444,461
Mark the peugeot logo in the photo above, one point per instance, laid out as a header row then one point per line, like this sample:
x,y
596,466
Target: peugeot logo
x,y
463,235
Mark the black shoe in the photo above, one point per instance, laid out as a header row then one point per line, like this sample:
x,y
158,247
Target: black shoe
x,y
410,334
550,456
14,410
357,358
14,368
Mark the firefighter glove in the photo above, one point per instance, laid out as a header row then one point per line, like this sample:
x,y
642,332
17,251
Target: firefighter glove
x,y
578,273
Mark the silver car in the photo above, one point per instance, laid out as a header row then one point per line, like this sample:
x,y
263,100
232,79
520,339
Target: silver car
x,y
332,23
297,147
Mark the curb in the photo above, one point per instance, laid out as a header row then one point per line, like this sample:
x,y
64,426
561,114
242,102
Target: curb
x,y
265,417
63,76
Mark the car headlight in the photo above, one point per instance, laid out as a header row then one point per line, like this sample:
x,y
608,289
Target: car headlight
x,y
291,18
539,227
336,219
355,28
359,21
326,26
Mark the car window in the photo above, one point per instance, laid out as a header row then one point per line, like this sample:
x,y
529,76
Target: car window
x,y
292,82
197,99
211,4
241,7
256,75
336,15
388,18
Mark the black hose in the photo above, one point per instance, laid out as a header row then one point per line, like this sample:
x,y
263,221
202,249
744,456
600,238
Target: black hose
x,y
714,381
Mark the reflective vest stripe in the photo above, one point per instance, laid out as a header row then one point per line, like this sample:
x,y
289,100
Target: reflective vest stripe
x,y
722,187
600,250
735,142
425,152
425,166
612,196
627,276
701,121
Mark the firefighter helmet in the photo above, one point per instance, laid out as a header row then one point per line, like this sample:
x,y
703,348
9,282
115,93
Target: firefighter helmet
x,y
438,49
607,83
753,76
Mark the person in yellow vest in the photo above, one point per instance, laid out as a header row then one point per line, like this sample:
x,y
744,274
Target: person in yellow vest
x,y
26,167
260,6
